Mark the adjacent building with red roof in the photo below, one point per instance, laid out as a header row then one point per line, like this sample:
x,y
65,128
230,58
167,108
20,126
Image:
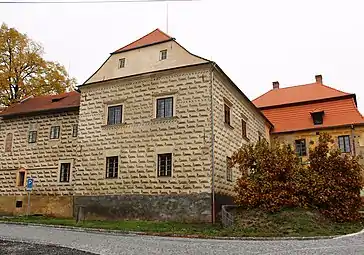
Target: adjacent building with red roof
x,y
300,113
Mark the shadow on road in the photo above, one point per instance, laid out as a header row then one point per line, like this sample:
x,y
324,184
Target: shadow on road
x,y
18,248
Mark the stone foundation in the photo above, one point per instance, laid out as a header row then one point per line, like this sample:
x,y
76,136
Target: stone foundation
x,y
54,206
183,207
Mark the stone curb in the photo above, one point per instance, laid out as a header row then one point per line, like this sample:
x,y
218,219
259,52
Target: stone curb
x,y
135,233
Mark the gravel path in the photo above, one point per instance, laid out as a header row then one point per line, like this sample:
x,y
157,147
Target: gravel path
x,y
146,245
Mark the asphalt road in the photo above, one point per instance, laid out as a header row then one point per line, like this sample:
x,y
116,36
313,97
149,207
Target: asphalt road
x,y
146,245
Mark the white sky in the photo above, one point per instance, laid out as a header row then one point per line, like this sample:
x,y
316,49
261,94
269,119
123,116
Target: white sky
x,y
254,41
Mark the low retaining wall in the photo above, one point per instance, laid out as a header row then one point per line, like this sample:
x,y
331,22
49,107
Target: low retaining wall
x,y
182,207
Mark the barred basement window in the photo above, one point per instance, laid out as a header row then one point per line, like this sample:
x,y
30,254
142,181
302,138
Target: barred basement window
x,y
55,130
65,172
165,165
112,167
229,170
165,107
114,115
75,130
344,144
32,137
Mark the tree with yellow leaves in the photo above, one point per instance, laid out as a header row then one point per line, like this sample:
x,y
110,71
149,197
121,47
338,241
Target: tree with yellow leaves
x,y
24,72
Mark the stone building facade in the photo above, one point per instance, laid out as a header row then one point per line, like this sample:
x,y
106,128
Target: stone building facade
x,y
29,148
145,149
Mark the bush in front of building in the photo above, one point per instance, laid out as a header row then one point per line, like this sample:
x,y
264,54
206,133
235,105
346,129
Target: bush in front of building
x,y
267,177
273,178
333,182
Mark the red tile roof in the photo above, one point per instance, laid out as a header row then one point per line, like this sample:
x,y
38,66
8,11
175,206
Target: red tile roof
x,y
44,103
295,94
156,36
338,112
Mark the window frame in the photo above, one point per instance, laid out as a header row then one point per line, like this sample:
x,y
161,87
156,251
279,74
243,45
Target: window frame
x,y
121,114
227,117
166,172
68,177
318,118
229,170
164,113
244,129
115,172
34,137
18,179
75,130
301,153
58,134
344,143
163,55
121,63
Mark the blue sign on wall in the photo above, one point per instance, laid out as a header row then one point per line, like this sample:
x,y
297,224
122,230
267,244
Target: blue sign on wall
x,y
30,182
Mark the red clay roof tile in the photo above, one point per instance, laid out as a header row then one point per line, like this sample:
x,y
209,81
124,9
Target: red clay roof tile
x,y
295,94
43,103
339,112
156,36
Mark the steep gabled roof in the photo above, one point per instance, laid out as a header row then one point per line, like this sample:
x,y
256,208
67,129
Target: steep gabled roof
x,y
337,112
154,37
297,94
46,103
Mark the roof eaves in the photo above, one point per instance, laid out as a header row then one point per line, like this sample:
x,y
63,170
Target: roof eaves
x,y
318,128
35,112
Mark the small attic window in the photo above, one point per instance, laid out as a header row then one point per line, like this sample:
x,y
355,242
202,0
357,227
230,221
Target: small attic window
x,y
121,63
163,55
318,117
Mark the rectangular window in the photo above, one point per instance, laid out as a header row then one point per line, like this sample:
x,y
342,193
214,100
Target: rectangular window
x,y
243,128
163,55
32,137
21,179
165,165
55,130
74,130
114,115
121,63
65,172
227,114
301,147
344,144
112,166
165,107
229,170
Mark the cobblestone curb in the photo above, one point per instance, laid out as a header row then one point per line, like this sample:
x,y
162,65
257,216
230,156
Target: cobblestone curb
x,y
136,233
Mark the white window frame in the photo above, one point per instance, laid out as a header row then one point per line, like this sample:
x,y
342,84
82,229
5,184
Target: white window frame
x,y
107,113
174,99
64,161
163,54
164,150
59,133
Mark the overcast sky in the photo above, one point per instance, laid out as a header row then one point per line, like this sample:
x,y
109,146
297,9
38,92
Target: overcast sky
x,y
255,42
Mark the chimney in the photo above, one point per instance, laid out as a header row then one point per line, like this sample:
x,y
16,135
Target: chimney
x,y
318,79
275,85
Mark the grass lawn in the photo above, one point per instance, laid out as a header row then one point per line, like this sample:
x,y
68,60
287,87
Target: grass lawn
x,y
293,223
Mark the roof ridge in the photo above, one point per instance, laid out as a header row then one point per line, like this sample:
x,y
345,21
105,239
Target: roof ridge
x,y
140,38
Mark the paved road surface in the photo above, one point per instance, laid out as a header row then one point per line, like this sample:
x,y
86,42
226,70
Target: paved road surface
x,y
145,245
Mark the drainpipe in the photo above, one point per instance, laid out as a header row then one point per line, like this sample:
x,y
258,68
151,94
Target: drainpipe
x,y
212,147
353,140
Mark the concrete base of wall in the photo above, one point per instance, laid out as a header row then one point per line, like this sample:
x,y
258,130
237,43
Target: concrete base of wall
x,y
55,206
183,207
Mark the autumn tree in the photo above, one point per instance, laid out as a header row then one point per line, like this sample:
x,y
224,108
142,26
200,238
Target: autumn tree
x,y
24,71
